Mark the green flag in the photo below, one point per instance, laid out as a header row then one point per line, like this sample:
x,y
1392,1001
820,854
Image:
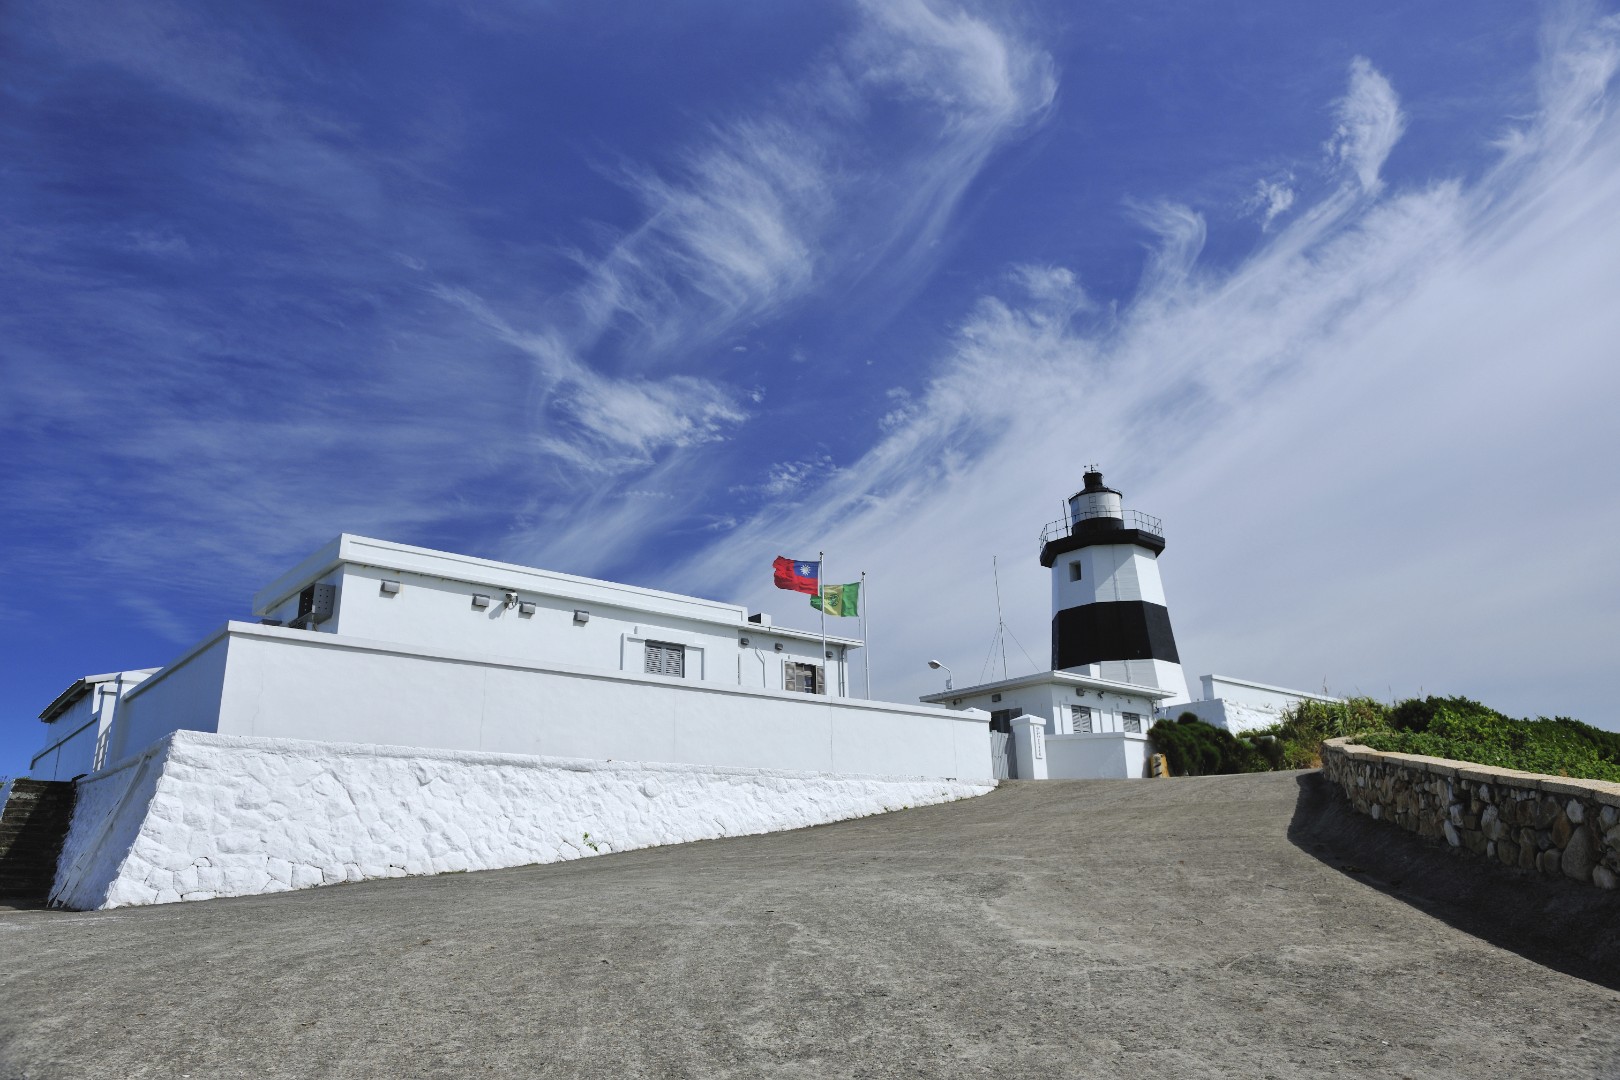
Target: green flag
x,y
841,600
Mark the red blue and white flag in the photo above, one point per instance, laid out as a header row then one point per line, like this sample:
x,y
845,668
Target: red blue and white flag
x,y
798,575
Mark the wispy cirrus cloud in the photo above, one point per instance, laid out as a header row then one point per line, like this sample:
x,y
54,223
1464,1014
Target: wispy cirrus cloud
x,y
768,205
278,289
1369,124
1288,417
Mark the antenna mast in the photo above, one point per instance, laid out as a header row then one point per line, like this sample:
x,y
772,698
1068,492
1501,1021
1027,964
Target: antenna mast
x,y
1001,625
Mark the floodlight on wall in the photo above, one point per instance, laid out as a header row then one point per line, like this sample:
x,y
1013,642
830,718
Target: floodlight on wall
x,y
743,642
581,617
390,588
526,607
778,646
480,600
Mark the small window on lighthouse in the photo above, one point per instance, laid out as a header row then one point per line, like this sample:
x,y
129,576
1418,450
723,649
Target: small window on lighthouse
x,y
1074,570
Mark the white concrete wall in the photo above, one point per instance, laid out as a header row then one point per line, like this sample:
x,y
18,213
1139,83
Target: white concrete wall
x,y
204,816
72,748
1231,715
282,683
184,695
1240,705
1116,756
1253,695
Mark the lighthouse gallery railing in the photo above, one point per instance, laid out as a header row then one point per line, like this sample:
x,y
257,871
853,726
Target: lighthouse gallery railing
x,y
1128,519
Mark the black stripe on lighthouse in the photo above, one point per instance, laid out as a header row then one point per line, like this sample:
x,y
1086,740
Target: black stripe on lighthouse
x,y
1112,630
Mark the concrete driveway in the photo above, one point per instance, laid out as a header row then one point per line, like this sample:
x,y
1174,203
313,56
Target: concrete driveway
x,y
1225,926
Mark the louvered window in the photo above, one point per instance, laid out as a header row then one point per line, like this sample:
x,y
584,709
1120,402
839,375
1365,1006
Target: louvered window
x,y
801,678
666,659
1082,718
1133,721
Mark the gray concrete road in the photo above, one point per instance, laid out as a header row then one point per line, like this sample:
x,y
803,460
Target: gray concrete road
x,y
1227,926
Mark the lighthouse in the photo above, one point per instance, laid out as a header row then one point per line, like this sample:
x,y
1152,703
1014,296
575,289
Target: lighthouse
x,y
1109,617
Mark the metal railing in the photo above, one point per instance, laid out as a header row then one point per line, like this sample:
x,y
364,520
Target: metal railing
x,y
1128,519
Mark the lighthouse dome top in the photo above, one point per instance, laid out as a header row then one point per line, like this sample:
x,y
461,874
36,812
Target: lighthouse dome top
x,y
1096,515
1094,483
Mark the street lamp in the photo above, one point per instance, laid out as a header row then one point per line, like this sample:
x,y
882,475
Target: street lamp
x,y
937,666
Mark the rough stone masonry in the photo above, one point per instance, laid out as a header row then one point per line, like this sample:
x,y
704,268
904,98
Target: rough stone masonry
x,y
1545,824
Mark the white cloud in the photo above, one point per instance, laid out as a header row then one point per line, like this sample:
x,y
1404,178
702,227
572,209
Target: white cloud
x,y
1370,123
1272,199
1374,441
975,74
623,423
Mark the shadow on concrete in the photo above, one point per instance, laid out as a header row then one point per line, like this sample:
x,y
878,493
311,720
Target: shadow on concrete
x,y
1560,924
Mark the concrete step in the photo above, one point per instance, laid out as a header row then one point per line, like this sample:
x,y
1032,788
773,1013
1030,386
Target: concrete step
x,y
33,824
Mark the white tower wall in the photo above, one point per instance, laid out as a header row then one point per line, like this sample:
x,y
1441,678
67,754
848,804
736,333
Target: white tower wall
x,y
1109,614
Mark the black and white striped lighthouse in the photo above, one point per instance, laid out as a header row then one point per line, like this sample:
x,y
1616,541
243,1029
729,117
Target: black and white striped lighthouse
x,y
1109,618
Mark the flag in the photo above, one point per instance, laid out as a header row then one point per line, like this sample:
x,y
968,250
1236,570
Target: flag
x,y
799,576
841,600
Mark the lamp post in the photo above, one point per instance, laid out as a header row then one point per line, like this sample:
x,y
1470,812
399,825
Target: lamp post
x,y
937,666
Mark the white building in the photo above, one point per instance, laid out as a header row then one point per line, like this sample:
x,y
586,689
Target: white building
x,y
1115,665
373,642
79,722
406,711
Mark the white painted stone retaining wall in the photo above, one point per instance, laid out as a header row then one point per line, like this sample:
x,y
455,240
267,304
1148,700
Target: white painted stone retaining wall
x,y
201,815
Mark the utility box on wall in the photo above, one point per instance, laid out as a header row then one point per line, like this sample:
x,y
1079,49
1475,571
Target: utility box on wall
x,y
315,604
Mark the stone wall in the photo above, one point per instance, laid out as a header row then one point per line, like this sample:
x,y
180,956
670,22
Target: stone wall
x,y
1537,823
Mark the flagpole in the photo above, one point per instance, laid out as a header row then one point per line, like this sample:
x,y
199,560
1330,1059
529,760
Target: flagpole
x,y
866,642
821,594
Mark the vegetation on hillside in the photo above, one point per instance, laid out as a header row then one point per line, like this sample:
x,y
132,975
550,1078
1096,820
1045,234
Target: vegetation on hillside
x,y
1465,730
1451,727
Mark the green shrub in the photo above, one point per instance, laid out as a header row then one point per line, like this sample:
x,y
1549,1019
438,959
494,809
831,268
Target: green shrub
x,y
1296,739
1194,748
1465,730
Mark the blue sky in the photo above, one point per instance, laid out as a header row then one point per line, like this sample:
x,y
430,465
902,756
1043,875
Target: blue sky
x,y
659,293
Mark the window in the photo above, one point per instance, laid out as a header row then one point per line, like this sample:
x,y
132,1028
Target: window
x,y
1133,721
666,659
802,678
1074,570
1001,720
1082,718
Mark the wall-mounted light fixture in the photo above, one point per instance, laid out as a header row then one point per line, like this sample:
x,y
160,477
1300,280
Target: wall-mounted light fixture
x,y
480,600
390,588
829,654
526,607
995,697
581,617
511,599
937,666
778,646
743,642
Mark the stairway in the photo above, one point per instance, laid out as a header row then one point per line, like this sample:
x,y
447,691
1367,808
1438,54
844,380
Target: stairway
x,y
33,824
